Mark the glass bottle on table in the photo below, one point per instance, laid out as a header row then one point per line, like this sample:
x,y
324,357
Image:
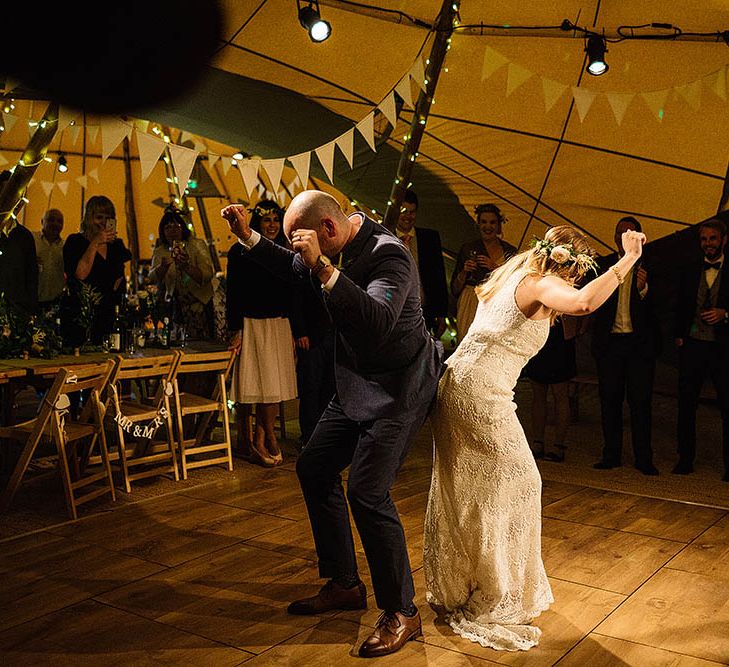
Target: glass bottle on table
x,y
117,332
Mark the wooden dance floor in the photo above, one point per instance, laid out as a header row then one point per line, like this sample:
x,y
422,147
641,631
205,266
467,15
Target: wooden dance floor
x,y
202,576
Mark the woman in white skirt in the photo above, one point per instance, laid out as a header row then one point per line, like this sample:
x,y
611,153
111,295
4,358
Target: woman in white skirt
x,y
258,307
476,260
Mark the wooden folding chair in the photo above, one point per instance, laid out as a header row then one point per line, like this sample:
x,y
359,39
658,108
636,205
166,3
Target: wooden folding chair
x,y
53,423
187,403
138,418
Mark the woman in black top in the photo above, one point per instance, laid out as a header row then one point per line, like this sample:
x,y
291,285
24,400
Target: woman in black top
x,y
476,260
258,308
96,257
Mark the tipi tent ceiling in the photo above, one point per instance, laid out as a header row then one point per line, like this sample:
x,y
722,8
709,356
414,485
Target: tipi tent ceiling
x,y
540,166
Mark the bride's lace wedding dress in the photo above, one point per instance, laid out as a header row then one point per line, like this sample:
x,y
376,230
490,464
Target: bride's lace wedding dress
x,y
482,553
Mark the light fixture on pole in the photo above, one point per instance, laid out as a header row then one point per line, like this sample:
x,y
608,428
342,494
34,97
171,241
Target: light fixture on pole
x,y
596,49
62,163
311,20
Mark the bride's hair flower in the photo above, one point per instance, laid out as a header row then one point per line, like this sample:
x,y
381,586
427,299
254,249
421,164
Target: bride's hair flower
x,y
559,254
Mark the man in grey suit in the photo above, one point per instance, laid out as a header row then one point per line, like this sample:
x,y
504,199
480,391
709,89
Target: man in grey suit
x,y
387,368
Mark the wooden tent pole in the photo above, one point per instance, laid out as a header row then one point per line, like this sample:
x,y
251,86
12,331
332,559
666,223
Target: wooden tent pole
x,y
441,43
131,214
11,195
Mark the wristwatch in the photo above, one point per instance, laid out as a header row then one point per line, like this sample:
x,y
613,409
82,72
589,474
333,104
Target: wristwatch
x,y
321,263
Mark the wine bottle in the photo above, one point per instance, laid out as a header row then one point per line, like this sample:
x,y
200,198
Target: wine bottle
x,y
115,337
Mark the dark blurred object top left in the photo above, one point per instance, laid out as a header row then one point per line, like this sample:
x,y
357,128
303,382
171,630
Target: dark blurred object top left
x,y
109,57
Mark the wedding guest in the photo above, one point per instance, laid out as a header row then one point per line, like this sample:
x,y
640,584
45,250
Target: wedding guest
x,y
183,270
702,336
258,307
476,260
425,247
625,343
49,251
95,257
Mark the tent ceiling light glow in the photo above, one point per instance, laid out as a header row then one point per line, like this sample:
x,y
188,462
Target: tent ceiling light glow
x,y
310,19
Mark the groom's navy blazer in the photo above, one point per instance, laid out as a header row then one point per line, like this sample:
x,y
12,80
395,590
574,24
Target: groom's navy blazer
x,y
386,363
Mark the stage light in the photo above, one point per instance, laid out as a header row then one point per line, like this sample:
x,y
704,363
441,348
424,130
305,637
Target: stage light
x,y
596,48
62,163
311,20
238,155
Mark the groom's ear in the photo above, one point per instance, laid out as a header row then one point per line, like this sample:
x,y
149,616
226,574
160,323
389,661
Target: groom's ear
x,y
329,227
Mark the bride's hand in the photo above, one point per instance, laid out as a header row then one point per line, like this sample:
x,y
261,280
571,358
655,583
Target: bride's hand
x,y
633,243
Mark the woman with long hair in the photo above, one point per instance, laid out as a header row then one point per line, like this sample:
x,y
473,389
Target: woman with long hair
x,y
482,550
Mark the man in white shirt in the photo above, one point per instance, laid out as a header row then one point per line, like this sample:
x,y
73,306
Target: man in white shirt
x,y
625,344
49,250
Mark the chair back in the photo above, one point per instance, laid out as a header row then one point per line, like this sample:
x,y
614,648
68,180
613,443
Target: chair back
x,y
205,362
162,367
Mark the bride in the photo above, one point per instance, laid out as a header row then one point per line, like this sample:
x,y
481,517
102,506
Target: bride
x,y
482,554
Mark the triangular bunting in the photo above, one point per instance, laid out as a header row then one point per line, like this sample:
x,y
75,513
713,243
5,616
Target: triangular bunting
x,y
346,145
516,76
553,90
492,61
72,131
199,145
91,132
418,73
47,187
141,124
583,100
325,154
282,198
10,84
65,116
150,148
9,121
183,160
274,169
113,131
227,164
302,163
619,104
83,181
691,92
63,187
212,159
366,128
716,82
3,160
388,108
94,173
404,90
261,191
186,136
249,172
656,101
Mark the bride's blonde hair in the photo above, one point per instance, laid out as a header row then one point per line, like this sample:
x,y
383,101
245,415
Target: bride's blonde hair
x,y
563,252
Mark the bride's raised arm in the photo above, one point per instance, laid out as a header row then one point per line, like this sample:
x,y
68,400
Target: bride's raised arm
x,y
554,293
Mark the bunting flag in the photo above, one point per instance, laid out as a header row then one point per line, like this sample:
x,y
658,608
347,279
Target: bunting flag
x,y
261,191
72,131
583,100
388,108
281,198
516,76
141,124
249,172
83,181
212,159
94,173
274,169
9,121
325,154
619,104
91,132
227,164
63,187
366,128
10,84
716,82
404,90
199,145
418,73
66,116
346,145
47,187
150,148
3,160
492,61
302,164
691,92
113,131
183,160
553,90
656,101
186,136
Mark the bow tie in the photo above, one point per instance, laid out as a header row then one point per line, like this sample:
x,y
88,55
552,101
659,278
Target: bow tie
x,y
712,265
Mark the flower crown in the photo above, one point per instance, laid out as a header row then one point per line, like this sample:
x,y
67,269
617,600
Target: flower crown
x,y
261,211
564,253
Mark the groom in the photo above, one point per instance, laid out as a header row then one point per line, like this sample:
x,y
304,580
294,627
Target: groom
x,y
387,368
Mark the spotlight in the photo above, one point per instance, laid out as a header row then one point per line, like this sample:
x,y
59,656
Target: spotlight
x,y
310,18
596,48
238,155
62,163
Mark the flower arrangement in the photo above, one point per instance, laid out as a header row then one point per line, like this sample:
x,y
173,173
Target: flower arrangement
x,y
22,334
562,254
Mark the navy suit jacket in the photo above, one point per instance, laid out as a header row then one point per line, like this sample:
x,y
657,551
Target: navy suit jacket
x,y
686,294
432,274
386,363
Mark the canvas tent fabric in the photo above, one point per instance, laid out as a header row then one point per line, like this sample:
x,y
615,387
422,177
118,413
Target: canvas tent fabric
x,y
516,121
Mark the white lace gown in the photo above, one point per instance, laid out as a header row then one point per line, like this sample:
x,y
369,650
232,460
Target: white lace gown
x,y
482,551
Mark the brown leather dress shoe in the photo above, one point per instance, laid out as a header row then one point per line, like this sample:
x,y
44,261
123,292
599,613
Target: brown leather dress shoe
x,y
392,632
331,596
